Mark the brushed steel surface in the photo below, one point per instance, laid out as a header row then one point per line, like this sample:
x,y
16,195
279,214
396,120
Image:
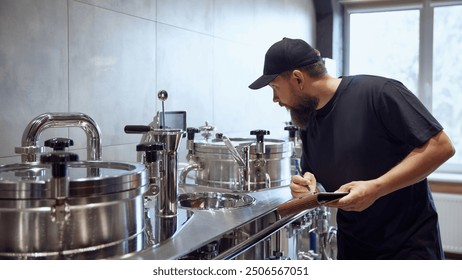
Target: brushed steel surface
x,y
102,216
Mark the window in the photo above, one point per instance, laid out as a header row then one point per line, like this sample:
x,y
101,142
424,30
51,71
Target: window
x,y
384,52
417,44
447,76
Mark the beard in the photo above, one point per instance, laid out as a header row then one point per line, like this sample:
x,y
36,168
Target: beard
x,y
302,113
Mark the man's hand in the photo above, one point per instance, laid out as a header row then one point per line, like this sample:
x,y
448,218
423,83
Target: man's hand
x,y
300,186
361,196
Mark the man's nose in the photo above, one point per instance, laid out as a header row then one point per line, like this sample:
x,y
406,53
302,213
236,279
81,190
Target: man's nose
x,y
275,98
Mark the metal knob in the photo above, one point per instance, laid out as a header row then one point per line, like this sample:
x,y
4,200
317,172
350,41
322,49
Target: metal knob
x,y
59,144
162,95
292,130
58,162
260,134
206,130
151,150
191,131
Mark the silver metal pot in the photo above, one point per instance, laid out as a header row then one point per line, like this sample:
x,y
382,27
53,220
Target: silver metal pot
x,y
216,166
100,216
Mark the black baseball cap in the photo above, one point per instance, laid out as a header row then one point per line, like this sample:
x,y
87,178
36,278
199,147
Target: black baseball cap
x,y
285,55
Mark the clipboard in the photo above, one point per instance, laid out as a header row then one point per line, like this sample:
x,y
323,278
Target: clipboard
x,y
307,202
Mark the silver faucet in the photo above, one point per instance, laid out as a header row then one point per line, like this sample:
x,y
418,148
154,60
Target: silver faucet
x,y
31,135
243,163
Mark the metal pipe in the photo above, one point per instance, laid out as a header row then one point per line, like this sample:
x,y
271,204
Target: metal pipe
x,y
184,173
258,237
31,134
167,199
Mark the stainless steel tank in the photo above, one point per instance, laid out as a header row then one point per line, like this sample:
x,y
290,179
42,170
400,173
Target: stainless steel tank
x,y
99,216
216,166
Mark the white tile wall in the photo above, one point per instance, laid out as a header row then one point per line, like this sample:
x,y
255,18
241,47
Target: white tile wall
x,y
108,59
33,66
112,69
185,71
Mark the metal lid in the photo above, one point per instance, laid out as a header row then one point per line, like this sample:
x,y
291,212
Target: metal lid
x,y
272,146
86,178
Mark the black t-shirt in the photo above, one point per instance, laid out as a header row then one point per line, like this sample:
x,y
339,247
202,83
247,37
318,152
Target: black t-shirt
x,y
368,127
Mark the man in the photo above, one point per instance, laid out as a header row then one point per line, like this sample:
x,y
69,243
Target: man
x,y
371,137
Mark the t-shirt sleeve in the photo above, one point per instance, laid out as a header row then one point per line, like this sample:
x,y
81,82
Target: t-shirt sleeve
x,y
404,116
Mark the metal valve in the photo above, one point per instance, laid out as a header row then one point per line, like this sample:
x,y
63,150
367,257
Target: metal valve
x,y
260,147
154,165
58,162
259,163
59,144
150,150
207,130
59,183
292,131
191,132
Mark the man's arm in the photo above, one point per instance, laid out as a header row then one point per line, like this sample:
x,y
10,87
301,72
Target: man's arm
x,y
420,163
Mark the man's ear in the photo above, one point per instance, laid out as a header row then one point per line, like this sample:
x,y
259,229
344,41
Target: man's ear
x,y
299,78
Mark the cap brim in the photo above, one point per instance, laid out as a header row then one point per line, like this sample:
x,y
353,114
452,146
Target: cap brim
x,y
262,81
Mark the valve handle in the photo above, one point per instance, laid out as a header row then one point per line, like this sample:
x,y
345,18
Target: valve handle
x,y
134,129
59,144
260,133
292,130
191,131
150,149
58,161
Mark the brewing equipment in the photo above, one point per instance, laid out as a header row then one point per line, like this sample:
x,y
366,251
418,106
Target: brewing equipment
x,y
160,145
98,217
59,207
294,137
63,208
30,147
238,164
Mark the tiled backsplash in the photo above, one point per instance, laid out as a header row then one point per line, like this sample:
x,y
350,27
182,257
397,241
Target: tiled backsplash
x,y
108,59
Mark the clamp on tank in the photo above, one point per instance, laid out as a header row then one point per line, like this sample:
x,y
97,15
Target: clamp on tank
x,y
191,132
153,155
154,164
295,158
206,133
59,183
260,163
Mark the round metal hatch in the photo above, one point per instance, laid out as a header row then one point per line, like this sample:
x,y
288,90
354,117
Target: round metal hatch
x,y
86,178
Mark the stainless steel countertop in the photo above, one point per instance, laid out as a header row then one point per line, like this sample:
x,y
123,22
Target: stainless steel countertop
x,y
205,226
